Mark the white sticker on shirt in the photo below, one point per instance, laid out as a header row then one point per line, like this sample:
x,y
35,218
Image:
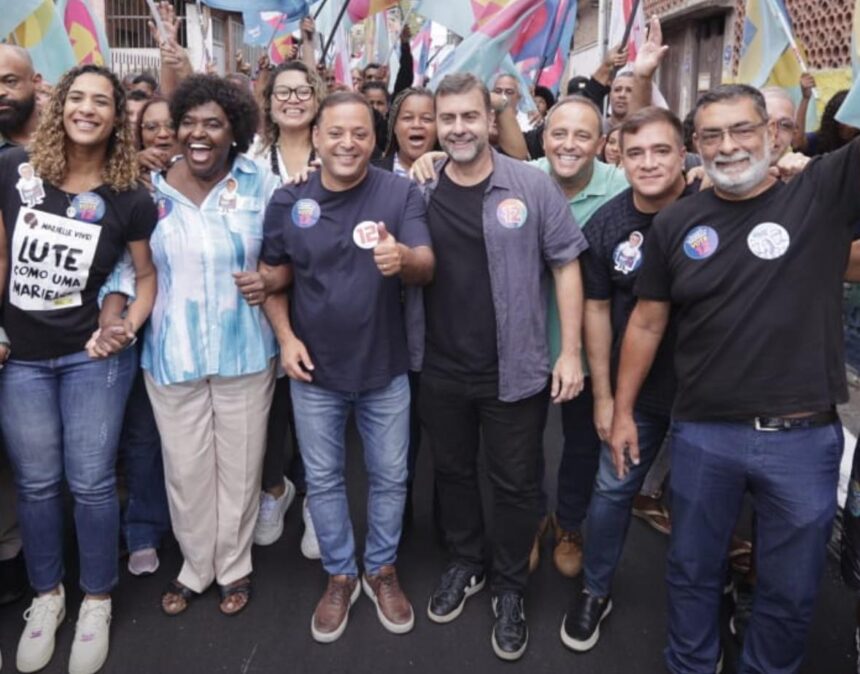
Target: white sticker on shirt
x,y
228,197
768,241
30,187
628,254
51,258
366,235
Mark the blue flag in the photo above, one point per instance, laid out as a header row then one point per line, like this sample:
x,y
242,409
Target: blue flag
x,y
292,8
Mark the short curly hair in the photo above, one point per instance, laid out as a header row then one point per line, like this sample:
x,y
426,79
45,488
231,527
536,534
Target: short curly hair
x,y
238,105
49,147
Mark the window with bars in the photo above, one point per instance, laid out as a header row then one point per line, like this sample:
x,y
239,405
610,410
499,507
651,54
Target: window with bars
x,y
126,23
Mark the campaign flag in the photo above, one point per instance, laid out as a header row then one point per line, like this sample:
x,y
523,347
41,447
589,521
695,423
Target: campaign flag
x,y
849,111
273,30
483,51
85,31
359,10
545,43
456,16
44,36
618,18
341,63
15,13
420,46
764,41
297,8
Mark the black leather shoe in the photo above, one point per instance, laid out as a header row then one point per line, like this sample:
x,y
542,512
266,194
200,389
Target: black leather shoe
x,y
458,583
510,633
580,628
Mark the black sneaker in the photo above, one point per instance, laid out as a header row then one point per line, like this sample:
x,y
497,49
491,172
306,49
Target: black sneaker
x,y
743,596
458,583
510,633
580,628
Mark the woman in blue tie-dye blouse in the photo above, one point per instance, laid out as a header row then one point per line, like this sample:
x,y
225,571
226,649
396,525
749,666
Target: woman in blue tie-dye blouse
x,y
208,352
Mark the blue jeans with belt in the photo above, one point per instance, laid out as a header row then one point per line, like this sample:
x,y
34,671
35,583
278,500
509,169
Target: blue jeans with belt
x,y
792,477
61,418
382,418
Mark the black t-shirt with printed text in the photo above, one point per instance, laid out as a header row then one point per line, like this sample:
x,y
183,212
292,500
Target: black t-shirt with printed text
x,y
61,247
616,236
757,285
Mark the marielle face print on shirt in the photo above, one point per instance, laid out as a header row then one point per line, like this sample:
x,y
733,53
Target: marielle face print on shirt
x,y
51,255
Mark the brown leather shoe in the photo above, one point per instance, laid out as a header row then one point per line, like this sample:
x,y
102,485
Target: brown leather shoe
x,y
392,606
332,611
534,555
567,555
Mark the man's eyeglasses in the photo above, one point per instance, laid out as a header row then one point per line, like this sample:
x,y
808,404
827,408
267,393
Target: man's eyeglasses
x,y
786,125
303,93
741,133
506,92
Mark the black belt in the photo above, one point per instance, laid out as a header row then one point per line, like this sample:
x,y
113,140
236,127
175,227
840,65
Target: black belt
x,y
767,423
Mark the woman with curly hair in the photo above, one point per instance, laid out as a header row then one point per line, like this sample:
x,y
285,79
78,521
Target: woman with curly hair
x,y
291,98
208,350
69,208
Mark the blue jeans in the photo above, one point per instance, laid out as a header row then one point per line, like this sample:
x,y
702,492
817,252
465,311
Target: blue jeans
x,y
611,502
146,517
792,477
382,417
61,418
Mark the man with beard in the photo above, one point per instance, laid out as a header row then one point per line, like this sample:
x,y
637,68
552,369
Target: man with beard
x,y
757,388
501,230
18,120
18,84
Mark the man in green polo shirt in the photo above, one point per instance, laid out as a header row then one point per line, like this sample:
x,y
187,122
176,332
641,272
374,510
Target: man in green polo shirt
x,y
573,137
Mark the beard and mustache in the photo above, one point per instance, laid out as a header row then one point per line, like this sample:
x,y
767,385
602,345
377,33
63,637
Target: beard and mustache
x,y
17,115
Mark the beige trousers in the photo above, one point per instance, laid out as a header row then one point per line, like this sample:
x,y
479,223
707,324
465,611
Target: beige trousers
x,y
213,437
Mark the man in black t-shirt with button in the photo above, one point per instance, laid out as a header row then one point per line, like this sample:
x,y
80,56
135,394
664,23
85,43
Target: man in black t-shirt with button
x,y
753,269
652,155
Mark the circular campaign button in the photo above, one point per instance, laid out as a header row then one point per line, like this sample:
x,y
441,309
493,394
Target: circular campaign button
x,y
701,242
366,234
305,213
164,205
89,207
768,241
512,213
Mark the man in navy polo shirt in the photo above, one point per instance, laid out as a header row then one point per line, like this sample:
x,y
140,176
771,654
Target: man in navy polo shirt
x,y
348,240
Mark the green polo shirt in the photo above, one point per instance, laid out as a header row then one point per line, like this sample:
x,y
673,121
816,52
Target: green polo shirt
x,y
606,181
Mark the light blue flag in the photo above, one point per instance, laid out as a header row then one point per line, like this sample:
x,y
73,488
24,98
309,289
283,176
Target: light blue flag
x,y
456,16
849,111
482,52
44,36
14,13
764,41
291,8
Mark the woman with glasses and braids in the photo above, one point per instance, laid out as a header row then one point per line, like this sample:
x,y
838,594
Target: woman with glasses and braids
x,y
291,98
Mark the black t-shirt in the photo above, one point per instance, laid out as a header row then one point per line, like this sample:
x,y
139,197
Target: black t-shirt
x,y
616,234
350,317
758,289
62,247
461,317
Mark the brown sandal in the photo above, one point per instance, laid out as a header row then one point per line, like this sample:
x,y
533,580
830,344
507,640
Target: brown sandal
x,y
235,597
176,598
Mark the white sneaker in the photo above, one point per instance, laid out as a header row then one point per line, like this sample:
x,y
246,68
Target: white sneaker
x,y
270,520
143,562
92,637
36,645
310,545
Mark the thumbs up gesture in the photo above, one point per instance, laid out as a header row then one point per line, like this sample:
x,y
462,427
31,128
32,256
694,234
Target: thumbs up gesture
x,y
387,253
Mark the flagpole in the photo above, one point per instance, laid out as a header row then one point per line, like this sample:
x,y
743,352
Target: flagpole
x,y
334,29
627,30
319,9
791,41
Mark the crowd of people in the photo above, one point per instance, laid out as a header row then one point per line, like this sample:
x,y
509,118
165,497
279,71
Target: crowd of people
x,y
183,261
